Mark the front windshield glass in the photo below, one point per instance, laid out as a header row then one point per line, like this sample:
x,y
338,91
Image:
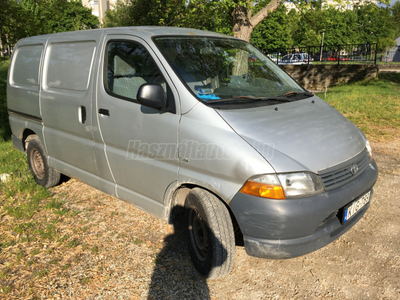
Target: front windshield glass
x,y
218,69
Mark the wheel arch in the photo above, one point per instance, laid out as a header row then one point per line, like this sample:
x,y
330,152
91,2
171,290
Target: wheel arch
x,y
27,135
177,203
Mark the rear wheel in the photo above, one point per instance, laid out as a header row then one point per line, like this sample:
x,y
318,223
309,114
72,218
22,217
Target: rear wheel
x,y
37,161
211,239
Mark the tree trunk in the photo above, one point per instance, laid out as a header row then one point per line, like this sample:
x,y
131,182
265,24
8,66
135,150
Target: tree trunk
x,y
244,21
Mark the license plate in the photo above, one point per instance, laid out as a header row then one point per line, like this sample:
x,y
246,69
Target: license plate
x,y
354,207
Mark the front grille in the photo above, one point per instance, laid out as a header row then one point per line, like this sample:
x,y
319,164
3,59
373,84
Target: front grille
x,y
343,173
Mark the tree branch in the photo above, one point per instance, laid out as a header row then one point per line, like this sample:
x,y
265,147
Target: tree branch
x,y
265,11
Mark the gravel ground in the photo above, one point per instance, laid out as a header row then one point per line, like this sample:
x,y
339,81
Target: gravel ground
x,y
141,257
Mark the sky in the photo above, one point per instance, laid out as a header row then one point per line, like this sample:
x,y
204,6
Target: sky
x,y
391,3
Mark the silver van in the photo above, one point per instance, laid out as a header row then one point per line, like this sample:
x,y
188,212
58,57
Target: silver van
x,y
171,118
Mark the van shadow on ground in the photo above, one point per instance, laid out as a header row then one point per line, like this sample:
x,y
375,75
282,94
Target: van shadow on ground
x,y
174,276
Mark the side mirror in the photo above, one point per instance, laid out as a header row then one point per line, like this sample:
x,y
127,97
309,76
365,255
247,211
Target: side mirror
x,y
152,95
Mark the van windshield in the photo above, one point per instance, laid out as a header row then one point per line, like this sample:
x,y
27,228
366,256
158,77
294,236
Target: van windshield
x,y
228,71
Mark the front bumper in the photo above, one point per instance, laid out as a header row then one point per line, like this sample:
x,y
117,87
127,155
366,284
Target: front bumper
x,y
289,228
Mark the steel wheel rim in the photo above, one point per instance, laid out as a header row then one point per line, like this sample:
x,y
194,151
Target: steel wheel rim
x,y
199,233
37,164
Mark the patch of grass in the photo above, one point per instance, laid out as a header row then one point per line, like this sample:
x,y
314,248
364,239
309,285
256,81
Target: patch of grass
x,y
12,161
48,233
137,242
5,273
30,262
57,206
20,255
5,289
73,243
373,105
85,280
42,273
23,228
36,251
21,195
53,204
63,238
23,209
75,212
95,250
54,261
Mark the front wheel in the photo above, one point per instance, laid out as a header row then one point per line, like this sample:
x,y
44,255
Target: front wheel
x,y
211,239
37,160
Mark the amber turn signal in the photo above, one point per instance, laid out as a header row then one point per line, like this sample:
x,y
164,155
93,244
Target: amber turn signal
x,y
263,190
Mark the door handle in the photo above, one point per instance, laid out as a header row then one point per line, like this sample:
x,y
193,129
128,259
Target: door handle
x,y
82,114
104,112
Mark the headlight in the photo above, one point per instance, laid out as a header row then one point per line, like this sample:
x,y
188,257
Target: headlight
x,y
300,184
369,149
283,186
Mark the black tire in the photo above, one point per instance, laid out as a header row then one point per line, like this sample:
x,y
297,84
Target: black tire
x,y
37,161
211,239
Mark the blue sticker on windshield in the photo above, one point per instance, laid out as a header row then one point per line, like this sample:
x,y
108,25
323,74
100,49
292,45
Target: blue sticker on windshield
x,y
208,97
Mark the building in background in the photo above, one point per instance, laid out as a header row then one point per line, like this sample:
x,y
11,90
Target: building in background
x,y
99,7
349,4
393,54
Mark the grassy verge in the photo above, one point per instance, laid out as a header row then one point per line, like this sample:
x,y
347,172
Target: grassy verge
x,y
41,231
373,105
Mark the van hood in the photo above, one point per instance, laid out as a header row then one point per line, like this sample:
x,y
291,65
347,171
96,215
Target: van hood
x,y
304,135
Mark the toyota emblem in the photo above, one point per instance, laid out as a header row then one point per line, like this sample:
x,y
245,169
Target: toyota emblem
x,y
354,169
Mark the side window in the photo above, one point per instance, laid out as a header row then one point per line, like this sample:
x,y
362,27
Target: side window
x,y
129,66
68,65
26,65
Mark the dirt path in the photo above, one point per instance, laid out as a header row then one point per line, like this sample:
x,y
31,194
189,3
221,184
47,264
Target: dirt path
x,y
124,253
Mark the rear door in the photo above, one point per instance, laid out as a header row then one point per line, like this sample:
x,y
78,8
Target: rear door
x,y
137,143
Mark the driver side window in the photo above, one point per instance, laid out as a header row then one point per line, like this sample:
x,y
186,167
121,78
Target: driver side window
x,y
129,66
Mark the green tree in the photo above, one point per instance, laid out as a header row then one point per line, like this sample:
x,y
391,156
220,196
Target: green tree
x,y
376,25
146,12
121,15
273,32
13,22
212,15
51,16
396,16
367,23
237,17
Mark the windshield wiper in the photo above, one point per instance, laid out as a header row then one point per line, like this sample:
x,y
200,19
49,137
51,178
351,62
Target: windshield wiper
x,y
294,93
249,99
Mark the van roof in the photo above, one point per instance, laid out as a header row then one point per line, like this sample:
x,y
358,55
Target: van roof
x,y
144,32
158,30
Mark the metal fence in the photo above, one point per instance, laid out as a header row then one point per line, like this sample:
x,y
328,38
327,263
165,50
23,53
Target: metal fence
x,y
333,54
